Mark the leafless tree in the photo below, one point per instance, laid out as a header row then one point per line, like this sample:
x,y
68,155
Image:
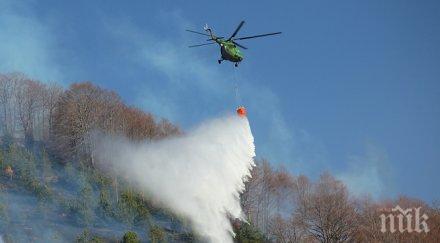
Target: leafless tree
x,y
8,86
51,96
138,125
269,196
26,106
29,100
84,108
325,210
81,109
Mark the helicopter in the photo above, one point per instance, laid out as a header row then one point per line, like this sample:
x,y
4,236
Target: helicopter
x,y
228,47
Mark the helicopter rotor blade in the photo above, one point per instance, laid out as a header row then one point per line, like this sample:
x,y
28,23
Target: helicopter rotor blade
x,y
256,36
196,32
219,37
239,45
202,45
236,30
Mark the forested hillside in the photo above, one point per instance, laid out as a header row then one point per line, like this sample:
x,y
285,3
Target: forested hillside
x,y
49,187
52,191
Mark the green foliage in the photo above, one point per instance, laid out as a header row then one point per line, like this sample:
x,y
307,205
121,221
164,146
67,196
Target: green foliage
x,y
42,191
96,193
81,207
87,237
69,205
95,239
157,235
100,179
83,237
25,170
85,210
132,207
247,233
12,152
130,237
105,206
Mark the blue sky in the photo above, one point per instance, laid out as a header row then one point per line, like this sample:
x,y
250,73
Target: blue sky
x,y
349,87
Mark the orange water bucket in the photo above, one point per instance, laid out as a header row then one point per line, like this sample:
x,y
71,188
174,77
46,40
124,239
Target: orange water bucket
x,y
241,111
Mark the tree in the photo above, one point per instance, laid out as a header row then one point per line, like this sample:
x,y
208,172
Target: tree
x,y
29,100
247,233
87,237
285,229
31,110
26,107
157,235
137,125
269,193
51,96
81,109
85,208
369,224
130,237
257,198
85,108
8,85
325,211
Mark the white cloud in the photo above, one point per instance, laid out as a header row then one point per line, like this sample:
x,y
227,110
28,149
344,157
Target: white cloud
x,y
26,44
368,174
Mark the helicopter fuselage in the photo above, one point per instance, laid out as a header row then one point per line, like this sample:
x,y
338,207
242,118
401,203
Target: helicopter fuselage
x,y
228,47
229,51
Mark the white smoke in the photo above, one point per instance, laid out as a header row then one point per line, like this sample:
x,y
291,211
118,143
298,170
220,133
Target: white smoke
x,y
199,175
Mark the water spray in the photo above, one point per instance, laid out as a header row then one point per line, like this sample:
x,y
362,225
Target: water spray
x,y
199,176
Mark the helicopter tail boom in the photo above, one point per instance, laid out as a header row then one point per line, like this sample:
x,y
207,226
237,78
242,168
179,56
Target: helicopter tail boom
x,y
206,28
209,30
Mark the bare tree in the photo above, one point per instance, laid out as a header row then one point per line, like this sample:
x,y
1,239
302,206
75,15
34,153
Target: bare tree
x,y
369,224
29,100
268,200
84,108
286,229
8,85
138,125
257,198
81,109
165,129
26,106
325,211
51,96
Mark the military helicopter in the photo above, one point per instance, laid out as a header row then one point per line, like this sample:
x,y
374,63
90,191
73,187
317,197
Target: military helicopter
x,y
228,47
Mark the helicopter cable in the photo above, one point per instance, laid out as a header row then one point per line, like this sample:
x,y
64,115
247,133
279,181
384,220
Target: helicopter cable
x,y
238,101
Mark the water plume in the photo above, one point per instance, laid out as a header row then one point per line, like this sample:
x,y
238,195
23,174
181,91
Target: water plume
x,y
198,175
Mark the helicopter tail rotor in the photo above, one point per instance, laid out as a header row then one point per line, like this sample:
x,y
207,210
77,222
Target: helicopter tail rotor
x,y
206,28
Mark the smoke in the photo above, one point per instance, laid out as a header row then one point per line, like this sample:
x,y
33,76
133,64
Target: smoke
x,y
199,175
